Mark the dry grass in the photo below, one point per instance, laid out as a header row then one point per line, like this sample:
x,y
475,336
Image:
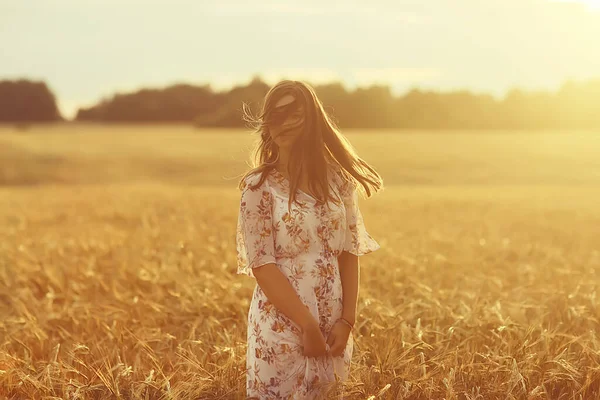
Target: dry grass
x,y
485,288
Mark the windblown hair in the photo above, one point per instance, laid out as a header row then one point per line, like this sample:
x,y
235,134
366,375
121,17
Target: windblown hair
x,y
320,144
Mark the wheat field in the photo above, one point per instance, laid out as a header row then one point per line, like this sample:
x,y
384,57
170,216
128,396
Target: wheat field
x,y
117,265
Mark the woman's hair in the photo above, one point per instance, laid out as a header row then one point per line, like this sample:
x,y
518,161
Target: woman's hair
x,y
319,144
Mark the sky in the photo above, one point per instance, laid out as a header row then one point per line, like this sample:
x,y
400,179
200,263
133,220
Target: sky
x,y
88,50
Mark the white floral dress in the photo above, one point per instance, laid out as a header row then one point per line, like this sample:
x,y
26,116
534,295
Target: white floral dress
x,y
304,244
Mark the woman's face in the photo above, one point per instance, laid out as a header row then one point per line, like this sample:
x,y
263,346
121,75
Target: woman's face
x,y
286,121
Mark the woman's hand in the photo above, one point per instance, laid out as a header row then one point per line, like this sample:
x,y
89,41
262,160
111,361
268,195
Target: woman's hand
x,y
338,338
313,340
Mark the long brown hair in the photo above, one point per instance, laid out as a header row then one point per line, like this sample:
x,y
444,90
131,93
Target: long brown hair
x,y
320,144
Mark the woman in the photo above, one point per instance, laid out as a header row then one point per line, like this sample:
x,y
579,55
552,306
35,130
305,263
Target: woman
x,y
299,234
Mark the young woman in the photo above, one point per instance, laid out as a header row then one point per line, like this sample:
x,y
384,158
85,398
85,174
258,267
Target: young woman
x,y
299,234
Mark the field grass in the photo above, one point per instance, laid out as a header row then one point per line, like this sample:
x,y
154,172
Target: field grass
x,y
117,265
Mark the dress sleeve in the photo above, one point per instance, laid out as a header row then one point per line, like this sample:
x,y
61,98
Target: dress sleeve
x,y
254,235
357,239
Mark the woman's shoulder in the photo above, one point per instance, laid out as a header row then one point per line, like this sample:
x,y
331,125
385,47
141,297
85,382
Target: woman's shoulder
x,y
340,179
252,181
335,172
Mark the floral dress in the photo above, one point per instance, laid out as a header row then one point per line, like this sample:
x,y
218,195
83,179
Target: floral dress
x,y
304,244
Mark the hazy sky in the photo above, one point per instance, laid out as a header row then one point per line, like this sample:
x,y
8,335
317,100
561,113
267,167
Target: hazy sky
x,y
89,49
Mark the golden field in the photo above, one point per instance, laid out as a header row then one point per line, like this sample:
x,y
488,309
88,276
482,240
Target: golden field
x,y
117,265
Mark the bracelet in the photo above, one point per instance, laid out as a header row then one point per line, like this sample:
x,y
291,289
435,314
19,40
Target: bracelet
x,y
347,323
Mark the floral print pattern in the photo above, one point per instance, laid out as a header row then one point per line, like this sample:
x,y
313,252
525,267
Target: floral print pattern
x,y
304,242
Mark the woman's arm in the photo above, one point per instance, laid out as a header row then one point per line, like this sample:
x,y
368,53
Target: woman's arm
x,y
281,293
349,272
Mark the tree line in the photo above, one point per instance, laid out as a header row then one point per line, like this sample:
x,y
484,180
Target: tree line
x,y
575,105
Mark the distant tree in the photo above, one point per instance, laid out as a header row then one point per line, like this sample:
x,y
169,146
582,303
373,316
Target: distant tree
x,y
176,103
27,101
578,104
